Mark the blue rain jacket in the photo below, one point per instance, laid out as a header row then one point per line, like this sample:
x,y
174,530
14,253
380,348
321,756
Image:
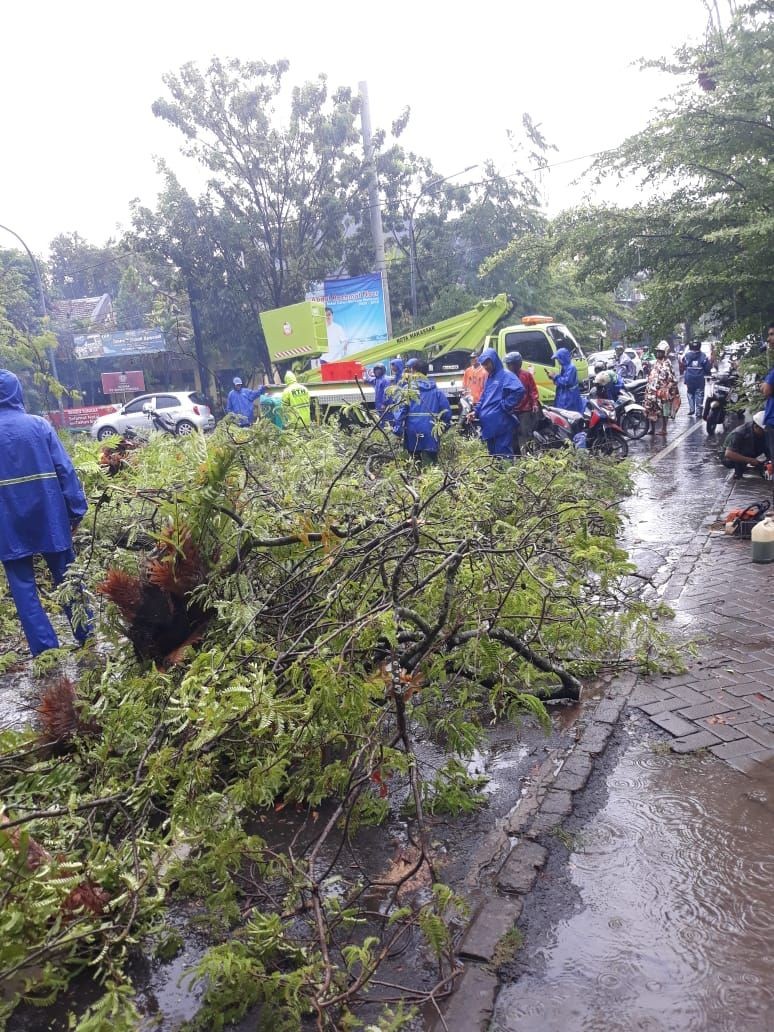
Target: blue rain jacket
x,y
696,367
568,395
381,383
503,391
415,419
241,404
398,364
40,494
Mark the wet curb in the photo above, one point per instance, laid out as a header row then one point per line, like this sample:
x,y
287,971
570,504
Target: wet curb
x,y
530,825
537,817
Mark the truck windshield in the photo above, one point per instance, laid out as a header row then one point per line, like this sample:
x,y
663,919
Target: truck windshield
x,y
562,337
533,345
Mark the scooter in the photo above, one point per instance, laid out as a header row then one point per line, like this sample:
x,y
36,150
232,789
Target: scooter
x,y
637,389
721,391
602,435
554,429
629,413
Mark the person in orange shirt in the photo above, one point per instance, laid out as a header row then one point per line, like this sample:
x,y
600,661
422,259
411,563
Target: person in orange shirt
x,y
528,410
473,379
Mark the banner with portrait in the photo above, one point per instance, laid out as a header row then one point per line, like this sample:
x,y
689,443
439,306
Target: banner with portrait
x,y
354,314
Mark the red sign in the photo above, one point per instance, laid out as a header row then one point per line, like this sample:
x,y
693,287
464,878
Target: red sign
x,y
78,418
123,383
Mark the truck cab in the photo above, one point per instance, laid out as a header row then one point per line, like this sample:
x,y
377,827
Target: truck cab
x,y
537,338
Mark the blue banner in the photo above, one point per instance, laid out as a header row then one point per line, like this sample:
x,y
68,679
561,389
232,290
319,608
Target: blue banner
x,y
354,315
122,342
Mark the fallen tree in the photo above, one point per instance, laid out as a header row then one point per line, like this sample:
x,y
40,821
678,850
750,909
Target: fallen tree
x,y
300,607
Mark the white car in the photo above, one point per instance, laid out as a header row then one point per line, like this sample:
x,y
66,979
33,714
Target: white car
x,y
608,358
188,410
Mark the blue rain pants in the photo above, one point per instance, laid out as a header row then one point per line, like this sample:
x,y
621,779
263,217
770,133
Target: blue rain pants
x,y
34,620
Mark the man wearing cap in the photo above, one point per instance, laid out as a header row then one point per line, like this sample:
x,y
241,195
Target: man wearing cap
x,y
746,447
528,409
474,379
41,504
241,400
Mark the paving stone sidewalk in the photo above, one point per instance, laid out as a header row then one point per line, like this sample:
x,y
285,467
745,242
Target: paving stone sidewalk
x,y
724,702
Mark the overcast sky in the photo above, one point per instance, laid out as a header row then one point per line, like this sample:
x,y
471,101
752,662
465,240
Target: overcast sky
x,y
77,80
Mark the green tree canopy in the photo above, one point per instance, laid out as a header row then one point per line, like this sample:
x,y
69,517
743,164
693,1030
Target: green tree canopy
x,y
288,182
705,236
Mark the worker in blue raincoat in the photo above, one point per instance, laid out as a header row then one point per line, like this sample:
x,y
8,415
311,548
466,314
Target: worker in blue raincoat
x,y
496,411
421,419
241,401
41,504
568,395
392,390
396,368
380,384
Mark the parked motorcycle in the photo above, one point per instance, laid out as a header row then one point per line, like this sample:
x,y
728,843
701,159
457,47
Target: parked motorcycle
x,y
553,430
637,389
629,413
721,392
158,419
602,434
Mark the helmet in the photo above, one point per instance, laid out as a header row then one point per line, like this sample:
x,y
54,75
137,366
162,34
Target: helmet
x,y
618,346
601,379
513,358
412,364
695,345
599,367
290,377
379,366
759,418
662,346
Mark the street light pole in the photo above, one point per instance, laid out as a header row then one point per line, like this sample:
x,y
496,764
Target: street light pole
x,y
41,295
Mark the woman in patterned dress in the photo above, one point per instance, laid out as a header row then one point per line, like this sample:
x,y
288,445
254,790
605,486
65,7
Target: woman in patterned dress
x,y
662,394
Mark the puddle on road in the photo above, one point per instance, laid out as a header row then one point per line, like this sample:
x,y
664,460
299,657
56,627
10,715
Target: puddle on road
x,y
673,929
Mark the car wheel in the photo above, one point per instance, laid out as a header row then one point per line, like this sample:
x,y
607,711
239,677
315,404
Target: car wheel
x,y
107,431
185,428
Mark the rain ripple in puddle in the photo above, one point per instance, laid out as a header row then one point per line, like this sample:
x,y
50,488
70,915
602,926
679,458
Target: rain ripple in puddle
x,y
675,927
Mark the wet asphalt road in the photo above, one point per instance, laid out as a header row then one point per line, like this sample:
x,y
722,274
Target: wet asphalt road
x,y
660,915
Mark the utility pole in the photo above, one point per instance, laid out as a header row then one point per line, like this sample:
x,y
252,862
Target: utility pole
x,y
377,231
41,297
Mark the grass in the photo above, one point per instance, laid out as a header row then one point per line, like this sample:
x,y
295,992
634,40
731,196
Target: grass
x,y
507,948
